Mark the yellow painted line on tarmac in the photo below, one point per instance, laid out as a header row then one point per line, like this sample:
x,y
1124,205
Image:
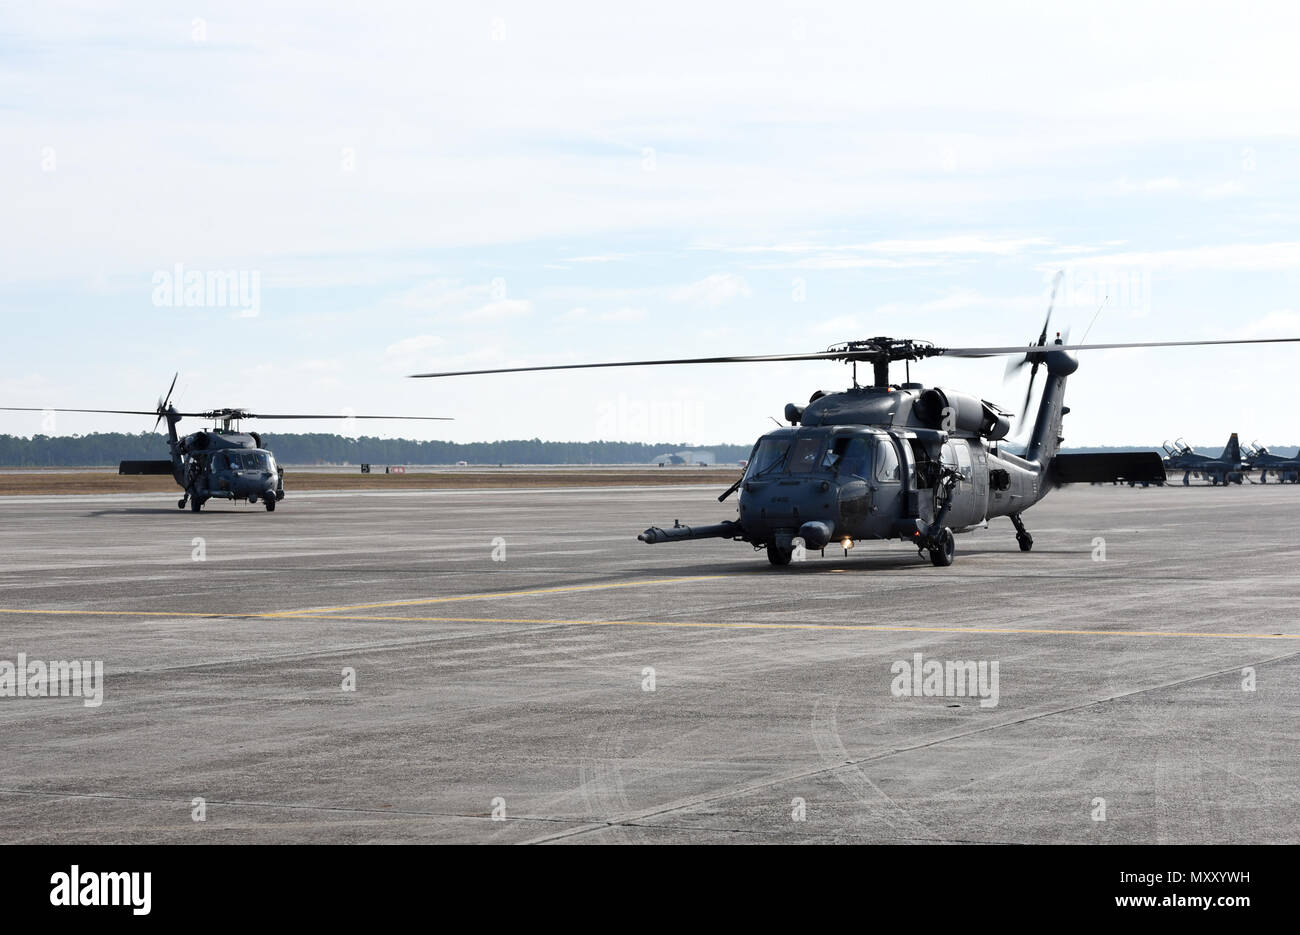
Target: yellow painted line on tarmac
x,y
678,624
805,626
492,596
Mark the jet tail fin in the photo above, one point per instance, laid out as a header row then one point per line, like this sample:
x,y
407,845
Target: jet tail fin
x,y
1232,452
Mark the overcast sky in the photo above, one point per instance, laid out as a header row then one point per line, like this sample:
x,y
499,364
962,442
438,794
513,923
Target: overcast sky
x,y
424,186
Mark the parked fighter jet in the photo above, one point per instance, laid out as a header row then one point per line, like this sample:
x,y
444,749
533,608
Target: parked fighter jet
x,y
1225,469
1286,470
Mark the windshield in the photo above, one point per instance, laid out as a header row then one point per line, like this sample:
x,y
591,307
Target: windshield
x,y
789,455
769,456
250,460
803,457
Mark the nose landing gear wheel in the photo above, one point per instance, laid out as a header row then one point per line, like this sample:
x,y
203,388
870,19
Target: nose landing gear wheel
x,y
941,555
180,504
779,556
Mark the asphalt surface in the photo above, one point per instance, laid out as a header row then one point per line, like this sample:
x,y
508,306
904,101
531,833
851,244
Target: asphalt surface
x,y
520,686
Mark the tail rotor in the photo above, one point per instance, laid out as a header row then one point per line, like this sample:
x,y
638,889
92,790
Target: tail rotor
x,y
164,402
1032,358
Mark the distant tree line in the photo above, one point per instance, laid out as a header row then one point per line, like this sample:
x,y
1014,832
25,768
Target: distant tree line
x,y
108,448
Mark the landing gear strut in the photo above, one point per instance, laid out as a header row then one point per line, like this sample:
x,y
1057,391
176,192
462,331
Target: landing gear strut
x,y
1023,538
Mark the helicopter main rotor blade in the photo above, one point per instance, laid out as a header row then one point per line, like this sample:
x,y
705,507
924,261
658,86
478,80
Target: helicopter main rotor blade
x,y
1035,349
123,412
860,355
762,358
259,415
217,414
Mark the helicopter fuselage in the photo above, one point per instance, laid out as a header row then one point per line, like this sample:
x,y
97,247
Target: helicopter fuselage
x,y
852,482
225,465
891,462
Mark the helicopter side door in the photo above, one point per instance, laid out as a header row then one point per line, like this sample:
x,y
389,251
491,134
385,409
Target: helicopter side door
x,y
968,505
886,482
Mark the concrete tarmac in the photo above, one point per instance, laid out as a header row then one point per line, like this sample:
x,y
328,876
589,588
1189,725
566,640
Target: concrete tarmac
x,y
526,671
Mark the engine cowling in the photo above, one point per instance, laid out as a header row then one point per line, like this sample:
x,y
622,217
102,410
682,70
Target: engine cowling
x,y
950,411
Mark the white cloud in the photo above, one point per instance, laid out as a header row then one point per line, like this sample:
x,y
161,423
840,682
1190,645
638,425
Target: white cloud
x,y
499,310
625,314
1126,185
886,254
605,258
1277,324
711,291
414,345
1228,189
1283,255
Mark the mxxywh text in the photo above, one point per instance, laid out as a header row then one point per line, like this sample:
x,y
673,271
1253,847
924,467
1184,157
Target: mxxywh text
x,y
934,679
37,679
78,888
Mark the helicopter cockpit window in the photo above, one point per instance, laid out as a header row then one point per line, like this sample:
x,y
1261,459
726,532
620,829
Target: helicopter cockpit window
x,y
886,461
856,456
804,455
769,457
252,460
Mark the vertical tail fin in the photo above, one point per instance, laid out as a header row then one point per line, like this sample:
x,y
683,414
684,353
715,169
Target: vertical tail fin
x,y
1232,453
1046,437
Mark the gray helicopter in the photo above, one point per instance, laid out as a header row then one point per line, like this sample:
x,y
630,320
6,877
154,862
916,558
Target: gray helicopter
x,y
217,463
902,461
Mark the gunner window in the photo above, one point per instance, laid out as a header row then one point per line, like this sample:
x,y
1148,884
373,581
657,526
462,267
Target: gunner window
x,y
886,461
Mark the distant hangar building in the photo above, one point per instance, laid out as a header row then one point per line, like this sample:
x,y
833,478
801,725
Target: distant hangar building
x,y
686,457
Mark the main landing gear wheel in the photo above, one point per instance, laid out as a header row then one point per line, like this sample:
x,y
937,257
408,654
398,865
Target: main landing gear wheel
x,y
196,504
779,556
941,554
270,504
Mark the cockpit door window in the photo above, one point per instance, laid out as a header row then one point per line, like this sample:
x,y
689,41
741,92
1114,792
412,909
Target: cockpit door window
x,y
856,457
887,468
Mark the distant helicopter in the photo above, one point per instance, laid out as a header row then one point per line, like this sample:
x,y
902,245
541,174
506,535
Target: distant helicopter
x,y
1286,470
902,461
221,462
1226,469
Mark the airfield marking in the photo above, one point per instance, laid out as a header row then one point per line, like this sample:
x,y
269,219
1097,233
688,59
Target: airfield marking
x,y
679,624
490,596
803,626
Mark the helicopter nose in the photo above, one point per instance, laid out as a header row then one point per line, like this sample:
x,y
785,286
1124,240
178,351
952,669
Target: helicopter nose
x,y
791,507
816,533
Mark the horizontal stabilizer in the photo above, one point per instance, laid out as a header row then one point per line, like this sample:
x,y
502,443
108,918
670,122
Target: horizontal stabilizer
x,y
145,467
1139,467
